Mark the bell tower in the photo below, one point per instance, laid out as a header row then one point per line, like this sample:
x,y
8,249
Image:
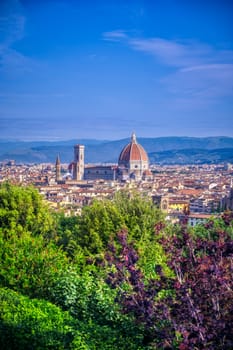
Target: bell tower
x,y
78,162
58,169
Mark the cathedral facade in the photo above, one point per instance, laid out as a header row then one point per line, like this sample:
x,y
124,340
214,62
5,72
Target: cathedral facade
x,y
133,164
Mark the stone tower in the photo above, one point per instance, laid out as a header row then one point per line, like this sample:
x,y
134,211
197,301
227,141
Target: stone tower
x,y
78,173
58,169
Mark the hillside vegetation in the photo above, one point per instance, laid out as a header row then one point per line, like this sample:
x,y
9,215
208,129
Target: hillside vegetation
x,y
116,277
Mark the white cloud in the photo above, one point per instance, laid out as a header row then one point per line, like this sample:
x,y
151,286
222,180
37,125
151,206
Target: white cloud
x,y
205,83
115,35
199,70
168,52
176,53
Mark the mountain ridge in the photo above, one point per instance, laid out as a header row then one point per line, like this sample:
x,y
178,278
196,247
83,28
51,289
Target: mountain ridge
x,y
159,149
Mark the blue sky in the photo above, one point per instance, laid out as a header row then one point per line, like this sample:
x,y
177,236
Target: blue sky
x,y
102,69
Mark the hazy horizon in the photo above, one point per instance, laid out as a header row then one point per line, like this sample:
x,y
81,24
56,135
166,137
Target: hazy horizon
x,y
106,140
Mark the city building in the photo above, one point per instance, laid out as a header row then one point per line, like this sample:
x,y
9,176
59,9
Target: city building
x,y
196,219
58,169
133,164
133,161
78,169
180,191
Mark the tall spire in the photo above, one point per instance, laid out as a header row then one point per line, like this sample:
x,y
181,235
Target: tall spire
x,y
58,162
58,168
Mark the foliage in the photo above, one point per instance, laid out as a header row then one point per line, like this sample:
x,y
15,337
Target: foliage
x,y
227,218
97,224
84,295
38,324
108,337
167,286
91,301
22,209
140,215
101,221
67,229
210,229
150,255
136,296
196,307
29,264
35,324
204,289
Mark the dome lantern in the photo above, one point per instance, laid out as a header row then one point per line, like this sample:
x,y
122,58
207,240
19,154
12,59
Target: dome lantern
x,y
133,138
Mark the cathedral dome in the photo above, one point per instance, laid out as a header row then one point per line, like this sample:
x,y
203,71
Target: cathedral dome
x,y
132,152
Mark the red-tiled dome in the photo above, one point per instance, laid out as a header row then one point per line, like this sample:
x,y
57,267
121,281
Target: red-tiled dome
x,y
133,152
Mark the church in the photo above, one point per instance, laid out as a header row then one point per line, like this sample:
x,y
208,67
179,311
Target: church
x,y
133,164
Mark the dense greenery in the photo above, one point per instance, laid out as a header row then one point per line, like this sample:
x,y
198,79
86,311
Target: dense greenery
x,y
117,277
34,324
194,309
103,219
22,210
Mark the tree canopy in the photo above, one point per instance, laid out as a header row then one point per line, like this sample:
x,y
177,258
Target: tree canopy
x,y
116,277
23,209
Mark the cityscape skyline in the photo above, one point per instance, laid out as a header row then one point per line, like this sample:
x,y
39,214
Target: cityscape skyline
x,y
71,70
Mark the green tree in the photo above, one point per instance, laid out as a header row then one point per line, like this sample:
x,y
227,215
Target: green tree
x,y
67,229
139,213
22,209
97,224
29,264
35,324
100,222
92,302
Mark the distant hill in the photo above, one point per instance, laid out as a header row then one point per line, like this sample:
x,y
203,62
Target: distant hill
x,y
193,156
164,150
